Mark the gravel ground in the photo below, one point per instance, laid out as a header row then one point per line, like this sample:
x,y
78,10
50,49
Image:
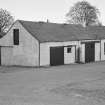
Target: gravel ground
x,y
82,84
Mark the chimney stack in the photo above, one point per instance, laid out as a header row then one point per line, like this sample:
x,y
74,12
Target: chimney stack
x,y
47,21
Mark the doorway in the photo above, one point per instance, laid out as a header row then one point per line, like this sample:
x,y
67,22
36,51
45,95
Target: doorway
x,y
89,52
56,56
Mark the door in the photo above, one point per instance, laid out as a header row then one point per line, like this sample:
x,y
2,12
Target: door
x,y
56,56
69,54
89,52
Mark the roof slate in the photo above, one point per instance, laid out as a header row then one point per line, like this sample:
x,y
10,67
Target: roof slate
x,y
52,32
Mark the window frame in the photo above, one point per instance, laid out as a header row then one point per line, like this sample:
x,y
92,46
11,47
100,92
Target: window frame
x,y
104,48
69,49
16,36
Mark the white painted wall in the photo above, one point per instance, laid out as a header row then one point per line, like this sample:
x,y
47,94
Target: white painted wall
x,y
24,54
102,50
6,55
97,51
45,51
82,53
69,57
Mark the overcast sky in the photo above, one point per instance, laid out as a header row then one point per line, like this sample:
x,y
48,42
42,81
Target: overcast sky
x,y
41,10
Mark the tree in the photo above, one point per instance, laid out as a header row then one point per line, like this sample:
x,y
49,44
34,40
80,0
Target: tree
x,y
6,20
83,13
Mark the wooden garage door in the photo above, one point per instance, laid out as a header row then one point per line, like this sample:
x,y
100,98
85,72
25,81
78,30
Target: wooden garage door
x,y
89,52
56,56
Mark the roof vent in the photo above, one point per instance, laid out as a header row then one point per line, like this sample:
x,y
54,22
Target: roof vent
x,y
47,20
65,24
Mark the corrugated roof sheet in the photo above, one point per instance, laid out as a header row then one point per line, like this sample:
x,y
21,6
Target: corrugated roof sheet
x,y
51,32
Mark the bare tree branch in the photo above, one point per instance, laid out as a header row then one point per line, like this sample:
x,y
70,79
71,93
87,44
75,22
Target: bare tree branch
x,y
6,20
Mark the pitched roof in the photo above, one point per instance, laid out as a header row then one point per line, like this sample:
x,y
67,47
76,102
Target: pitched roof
x,y
51,32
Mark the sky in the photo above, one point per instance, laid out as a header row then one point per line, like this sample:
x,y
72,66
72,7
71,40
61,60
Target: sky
x,y
41,10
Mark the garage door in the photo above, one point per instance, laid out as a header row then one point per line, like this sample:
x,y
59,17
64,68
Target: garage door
x,y
56,56
89,52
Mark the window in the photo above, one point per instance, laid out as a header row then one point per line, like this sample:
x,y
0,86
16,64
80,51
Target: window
x,y
16,36
104,48
69,50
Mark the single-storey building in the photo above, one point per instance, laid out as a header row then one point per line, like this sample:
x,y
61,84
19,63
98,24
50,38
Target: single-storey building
x,y
30,43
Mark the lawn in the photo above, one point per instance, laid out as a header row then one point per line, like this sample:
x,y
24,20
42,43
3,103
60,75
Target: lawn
x,y
78,84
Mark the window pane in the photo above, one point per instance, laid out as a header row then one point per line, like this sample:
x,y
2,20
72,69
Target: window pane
x,y
16,36
104,48
69,50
